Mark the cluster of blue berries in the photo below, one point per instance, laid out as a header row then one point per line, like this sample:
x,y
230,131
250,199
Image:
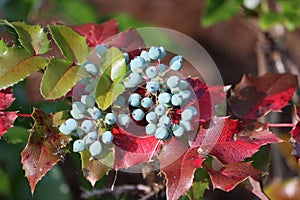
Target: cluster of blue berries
x,y
88,122
162,96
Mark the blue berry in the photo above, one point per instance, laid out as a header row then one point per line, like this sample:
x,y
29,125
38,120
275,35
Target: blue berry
x,y
178,130
92,135
151,117
120,101
88,100
162,133
150,129
151,72
94,112
134,99
145,55
173,81
124,120
177,100
127,84
176,63
165,121
135,78
163,53
186,94
147,102
68,126
87,125
89,87
152,86
63,129
154,53
160,109
95,148
79,107
137,64
110,119
162,68
78,146
187,115
195,111
183,84
138,114
107,137
91,68
76,115
101,50
164,98
186,125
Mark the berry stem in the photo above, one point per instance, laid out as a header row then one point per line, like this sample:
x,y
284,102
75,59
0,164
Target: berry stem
x,y
158,142
24,115
282,125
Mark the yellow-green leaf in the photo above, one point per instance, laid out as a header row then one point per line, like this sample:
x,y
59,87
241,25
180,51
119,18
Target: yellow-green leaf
x,y
72,45
17,63
60,76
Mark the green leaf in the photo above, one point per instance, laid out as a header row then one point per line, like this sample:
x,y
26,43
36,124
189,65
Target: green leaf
x,y
17,63
72,45
218,11
268,20
60,76
110,83
92,169
3,47
16,135
32,37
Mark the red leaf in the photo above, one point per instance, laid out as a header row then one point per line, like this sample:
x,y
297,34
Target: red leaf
x,y
255,96
44,149
179,163
233,174
129,41
207,96
131,150
6,121
230,142
97,33
6,98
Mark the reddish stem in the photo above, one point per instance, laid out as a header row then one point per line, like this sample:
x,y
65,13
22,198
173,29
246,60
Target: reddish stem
x,y
282,125
24,115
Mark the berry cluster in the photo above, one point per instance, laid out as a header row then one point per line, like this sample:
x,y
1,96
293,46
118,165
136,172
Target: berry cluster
x,y
158,98
163,95
88,122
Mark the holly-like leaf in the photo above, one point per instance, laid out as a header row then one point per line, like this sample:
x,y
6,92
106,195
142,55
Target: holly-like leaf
x,y
44,149
60,76
6,121
255,96
72,45
6,98
97,33
231,175
32,37
93,169
208,97
130,150
16,64
230,142
110,82
130,41
178,163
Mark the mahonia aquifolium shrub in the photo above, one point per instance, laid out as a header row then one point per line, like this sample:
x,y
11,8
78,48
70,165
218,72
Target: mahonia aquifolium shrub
x,y
159,96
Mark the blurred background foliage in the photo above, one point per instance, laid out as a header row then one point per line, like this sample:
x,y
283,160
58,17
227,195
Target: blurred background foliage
x,y
242,37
